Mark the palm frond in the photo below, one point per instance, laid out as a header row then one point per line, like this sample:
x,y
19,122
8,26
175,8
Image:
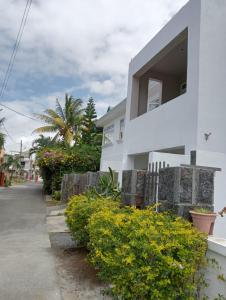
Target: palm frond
x,y
52,113
46,129
60,110
45,118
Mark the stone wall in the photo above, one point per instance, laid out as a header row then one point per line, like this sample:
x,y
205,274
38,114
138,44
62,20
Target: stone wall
x,y
75,184
175,188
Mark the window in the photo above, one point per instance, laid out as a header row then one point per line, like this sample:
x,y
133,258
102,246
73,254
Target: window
x,y
154,94
108,135
121,129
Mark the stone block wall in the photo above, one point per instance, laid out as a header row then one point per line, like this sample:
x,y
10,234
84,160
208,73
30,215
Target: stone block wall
x,y
75,184
175,188
183,188
133,187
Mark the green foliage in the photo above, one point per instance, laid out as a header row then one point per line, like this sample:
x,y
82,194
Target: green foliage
x,y
2,140
7,182
78,213
107,187
90,133
54,163
56,195
64,121
202,210
43,142
146,255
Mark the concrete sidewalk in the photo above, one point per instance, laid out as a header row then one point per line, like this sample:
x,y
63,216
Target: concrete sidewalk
x,y
27,269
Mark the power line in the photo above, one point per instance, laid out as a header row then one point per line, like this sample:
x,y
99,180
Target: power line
x,y
18,112
16,46
13,56
7,132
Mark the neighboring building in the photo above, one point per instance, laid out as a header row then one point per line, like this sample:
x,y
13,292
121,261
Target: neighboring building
x,y
113,123
27,165
176,100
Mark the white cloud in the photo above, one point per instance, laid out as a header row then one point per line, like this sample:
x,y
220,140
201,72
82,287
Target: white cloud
x,y
105,87
93,41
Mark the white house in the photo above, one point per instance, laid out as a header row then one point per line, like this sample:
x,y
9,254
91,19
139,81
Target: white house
x,y
176,99
113,124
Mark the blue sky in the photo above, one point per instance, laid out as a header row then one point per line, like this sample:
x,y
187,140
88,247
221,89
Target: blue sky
x,y
82,47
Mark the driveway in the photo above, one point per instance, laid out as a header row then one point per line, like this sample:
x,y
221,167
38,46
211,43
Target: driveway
x,y
27,269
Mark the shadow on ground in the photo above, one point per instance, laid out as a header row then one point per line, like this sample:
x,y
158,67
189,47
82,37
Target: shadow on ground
x,y
77,279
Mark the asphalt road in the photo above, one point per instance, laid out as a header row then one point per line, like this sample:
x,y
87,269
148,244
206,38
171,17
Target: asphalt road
x,y
27,268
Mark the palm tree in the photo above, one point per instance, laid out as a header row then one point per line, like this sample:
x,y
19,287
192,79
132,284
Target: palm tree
x,y
65,121
11,165
40,143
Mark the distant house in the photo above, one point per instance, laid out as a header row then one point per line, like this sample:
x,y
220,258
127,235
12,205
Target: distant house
x,y
176,99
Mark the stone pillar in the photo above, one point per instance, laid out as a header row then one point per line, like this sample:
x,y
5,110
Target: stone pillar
x,y
183,188
133,188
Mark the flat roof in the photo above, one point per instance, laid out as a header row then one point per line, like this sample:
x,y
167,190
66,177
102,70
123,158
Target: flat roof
x,y
112,114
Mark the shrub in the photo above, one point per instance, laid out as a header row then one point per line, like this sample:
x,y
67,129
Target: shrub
x,y
146,255
54,163
56,195
107,187
80,208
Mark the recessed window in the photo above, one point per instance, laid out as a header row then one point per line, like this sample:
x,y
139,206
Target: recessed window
x,y
121,129
108,135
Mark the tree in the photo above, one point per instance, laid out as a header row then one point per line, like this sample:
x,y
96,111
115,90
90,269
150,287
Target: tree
x,y
11,165
63,121
89,129
2,135
2,140
42,142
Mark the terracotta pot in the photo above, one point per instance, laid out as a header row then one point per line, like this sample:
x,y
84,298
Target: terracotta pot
x,y
203,221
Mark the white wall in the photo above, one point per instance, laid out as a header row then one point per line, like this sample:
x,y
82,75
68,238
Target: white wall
x,y
216,160
217,251
174,160
112,155
174,123
212,99
212,76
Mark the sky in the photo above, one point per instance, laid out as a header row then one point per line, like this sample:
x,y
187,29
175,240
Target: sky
x,y
82,47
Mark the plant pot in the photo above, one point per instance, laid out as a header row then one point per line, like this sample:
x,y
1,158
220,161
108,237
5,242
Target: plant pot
x,y
203,221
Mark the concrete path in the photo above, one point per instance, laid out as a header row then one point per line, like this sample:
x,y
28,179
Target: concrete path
x,y
27,269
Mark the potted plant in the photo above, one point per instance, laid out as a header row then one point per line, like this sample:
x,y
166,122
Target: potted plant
x,y
203,219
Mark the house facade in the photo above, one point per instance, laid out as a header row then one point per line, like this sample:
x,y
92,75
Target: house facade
x,y
176,101
113,124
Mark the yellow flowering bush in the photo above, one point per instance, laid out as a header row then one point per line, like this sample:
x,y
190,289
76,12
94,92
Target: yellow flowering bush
x,y
146,255
80,208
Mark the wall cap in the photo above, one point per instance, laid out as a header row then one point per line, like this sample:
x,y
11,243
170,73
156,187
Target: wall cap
x,y
200,167
217,245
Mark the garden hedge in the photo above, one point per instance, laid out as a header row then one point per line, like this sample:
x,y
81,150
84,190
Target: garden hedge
x,y
79,210
146,255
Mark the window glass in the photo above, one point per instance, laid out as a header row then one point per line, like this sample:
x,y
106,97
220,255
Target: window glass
x,y
108,135
154,94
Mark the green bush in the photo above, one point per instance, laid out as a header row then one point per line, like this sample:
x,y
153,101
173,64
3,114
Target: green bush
x,y
146,255
80,208
107,187
54,163
56,195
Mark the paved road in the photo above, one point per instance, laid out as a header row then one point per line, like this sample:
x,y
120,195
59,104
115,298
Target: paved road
x,y
27,269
